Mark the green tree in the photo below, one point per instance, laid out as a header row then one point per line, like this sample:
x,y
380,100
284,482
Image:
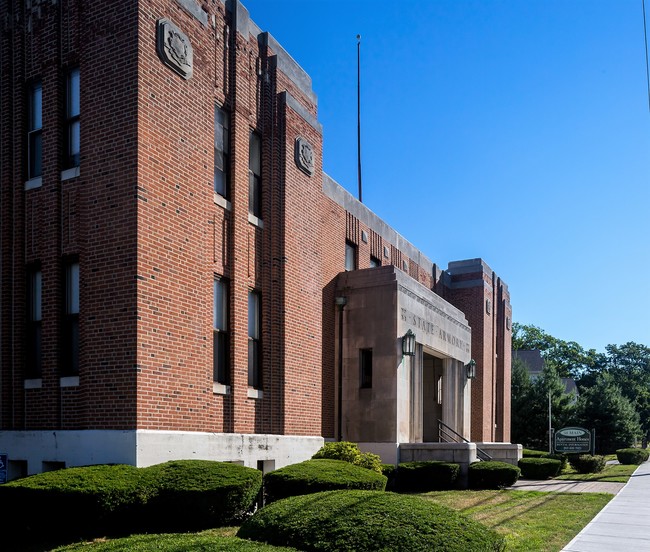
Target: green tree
x,y
629,367
603,407
520,413
530,405
568,357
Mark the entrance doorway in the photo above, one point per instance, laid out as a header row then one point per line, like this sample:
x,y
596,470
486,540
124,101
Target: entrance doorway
x,y
432,385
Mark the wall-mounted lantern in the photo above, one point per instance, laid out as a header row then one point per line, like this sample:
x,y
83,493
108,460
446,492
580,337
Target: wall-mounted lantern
x,y
471,369
408,344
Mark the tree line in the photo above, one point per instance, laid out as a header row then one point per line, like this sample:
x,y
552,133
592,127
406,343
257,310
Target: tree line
x,y
613,391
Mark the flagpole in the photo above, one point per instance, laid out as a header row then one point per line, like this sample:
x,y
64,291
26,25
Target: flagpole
x,y
359,115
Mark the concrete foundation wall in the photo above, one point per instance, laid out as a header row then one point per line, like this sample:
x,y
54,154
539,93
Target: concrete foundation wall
x,y
31,452
503,452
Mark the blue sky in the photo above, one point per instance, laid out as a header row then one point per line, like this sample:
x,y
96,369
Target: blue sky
x,y
513,130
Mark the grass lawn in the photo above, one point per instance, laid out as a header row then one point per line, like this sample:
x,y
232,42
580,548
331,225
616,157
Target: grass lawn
x,y
613,473
531,521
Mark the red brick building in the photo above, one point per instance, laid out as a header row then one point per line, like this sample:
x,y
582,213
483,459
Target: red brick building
x,y
180,279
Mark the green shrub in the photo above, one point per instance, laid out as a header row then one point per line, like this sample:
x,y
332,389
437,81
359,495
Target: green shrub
x,y
390,471
539,468
341,450
313,476
367,521
530,453
369,461
586,463
563,458
632,455
492,475
195,494
349,452
426,476
81,501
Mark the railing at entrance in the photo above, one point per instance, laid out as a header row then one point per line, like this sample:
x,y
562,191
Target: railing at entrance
x,y
449,435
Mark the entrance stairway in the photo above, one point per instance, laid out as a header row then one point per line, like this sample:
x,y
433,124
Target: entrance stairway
x,y
447,434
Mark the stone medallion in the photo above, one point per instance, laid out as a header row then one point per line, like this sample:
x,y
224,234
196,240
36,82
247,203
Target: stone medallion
x,y
174,48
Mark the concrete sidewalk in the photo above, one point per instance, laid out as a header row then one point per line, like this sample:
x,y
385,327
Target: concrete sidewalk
x,y
624,523
559,486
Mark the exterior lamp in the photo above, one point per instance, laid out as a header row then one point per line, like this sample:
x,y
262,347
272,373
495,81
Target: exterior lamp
x,y
471,369
408,344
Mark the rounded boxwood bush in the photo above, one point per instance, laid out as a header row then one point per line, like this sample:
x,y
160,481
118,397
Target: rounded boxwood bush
x,y
367,521
196,494
632,455
531,453
539,468
313,476
80,501
562,457
492,475
390,471
426,476
586,463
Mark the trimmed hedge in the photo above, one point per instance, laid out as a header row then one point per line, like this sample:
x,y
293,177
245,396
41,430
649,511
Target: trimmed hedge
x,y
632,455
390,471
586,463
530,453
562,457
313,476
367,521
539,468
426,476
118,499
492,475
198,494
79,501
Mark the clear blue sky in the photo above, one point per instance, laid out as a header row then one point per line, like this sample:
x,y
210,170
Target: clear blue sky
x,y
513,130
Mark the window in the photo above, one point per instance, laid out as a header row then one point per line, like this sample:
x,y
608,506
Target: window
x,y
350,256
254,367
35,131
70,348
365,362
255,174
374,262
221,338
71,157
221,153
34,319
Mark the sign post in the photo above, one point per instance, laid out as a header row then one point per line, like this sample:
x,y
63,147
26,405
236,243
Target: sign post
x,y
573,440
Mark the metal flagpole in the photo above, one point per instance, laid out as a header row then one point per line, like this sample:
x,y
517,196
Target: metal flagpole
x,y
359,115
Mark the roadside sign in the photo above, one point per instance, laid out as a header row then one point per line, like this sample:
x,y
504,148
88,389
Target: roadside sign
x,y
572,440
3,467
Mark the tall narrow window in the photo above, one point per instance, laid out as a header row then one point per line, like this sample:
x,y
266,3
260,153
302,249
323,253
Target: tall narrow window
x,y
70,347
350,256
35,131
33,364
255,174
72,120
365,362
221,339
254,367
221,153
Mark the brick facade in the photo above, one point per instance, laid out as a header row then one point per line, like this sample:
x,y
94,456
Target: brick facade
x,y
141,217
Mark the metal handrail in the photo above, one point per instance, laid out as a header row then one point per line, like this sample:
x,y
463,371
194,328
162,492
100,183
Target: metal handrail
x,y
445,433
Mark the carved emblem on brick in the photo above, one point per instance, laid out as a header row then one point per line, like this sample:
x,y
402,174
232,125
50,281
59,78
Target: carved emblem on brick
x,y
304,156
174,48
